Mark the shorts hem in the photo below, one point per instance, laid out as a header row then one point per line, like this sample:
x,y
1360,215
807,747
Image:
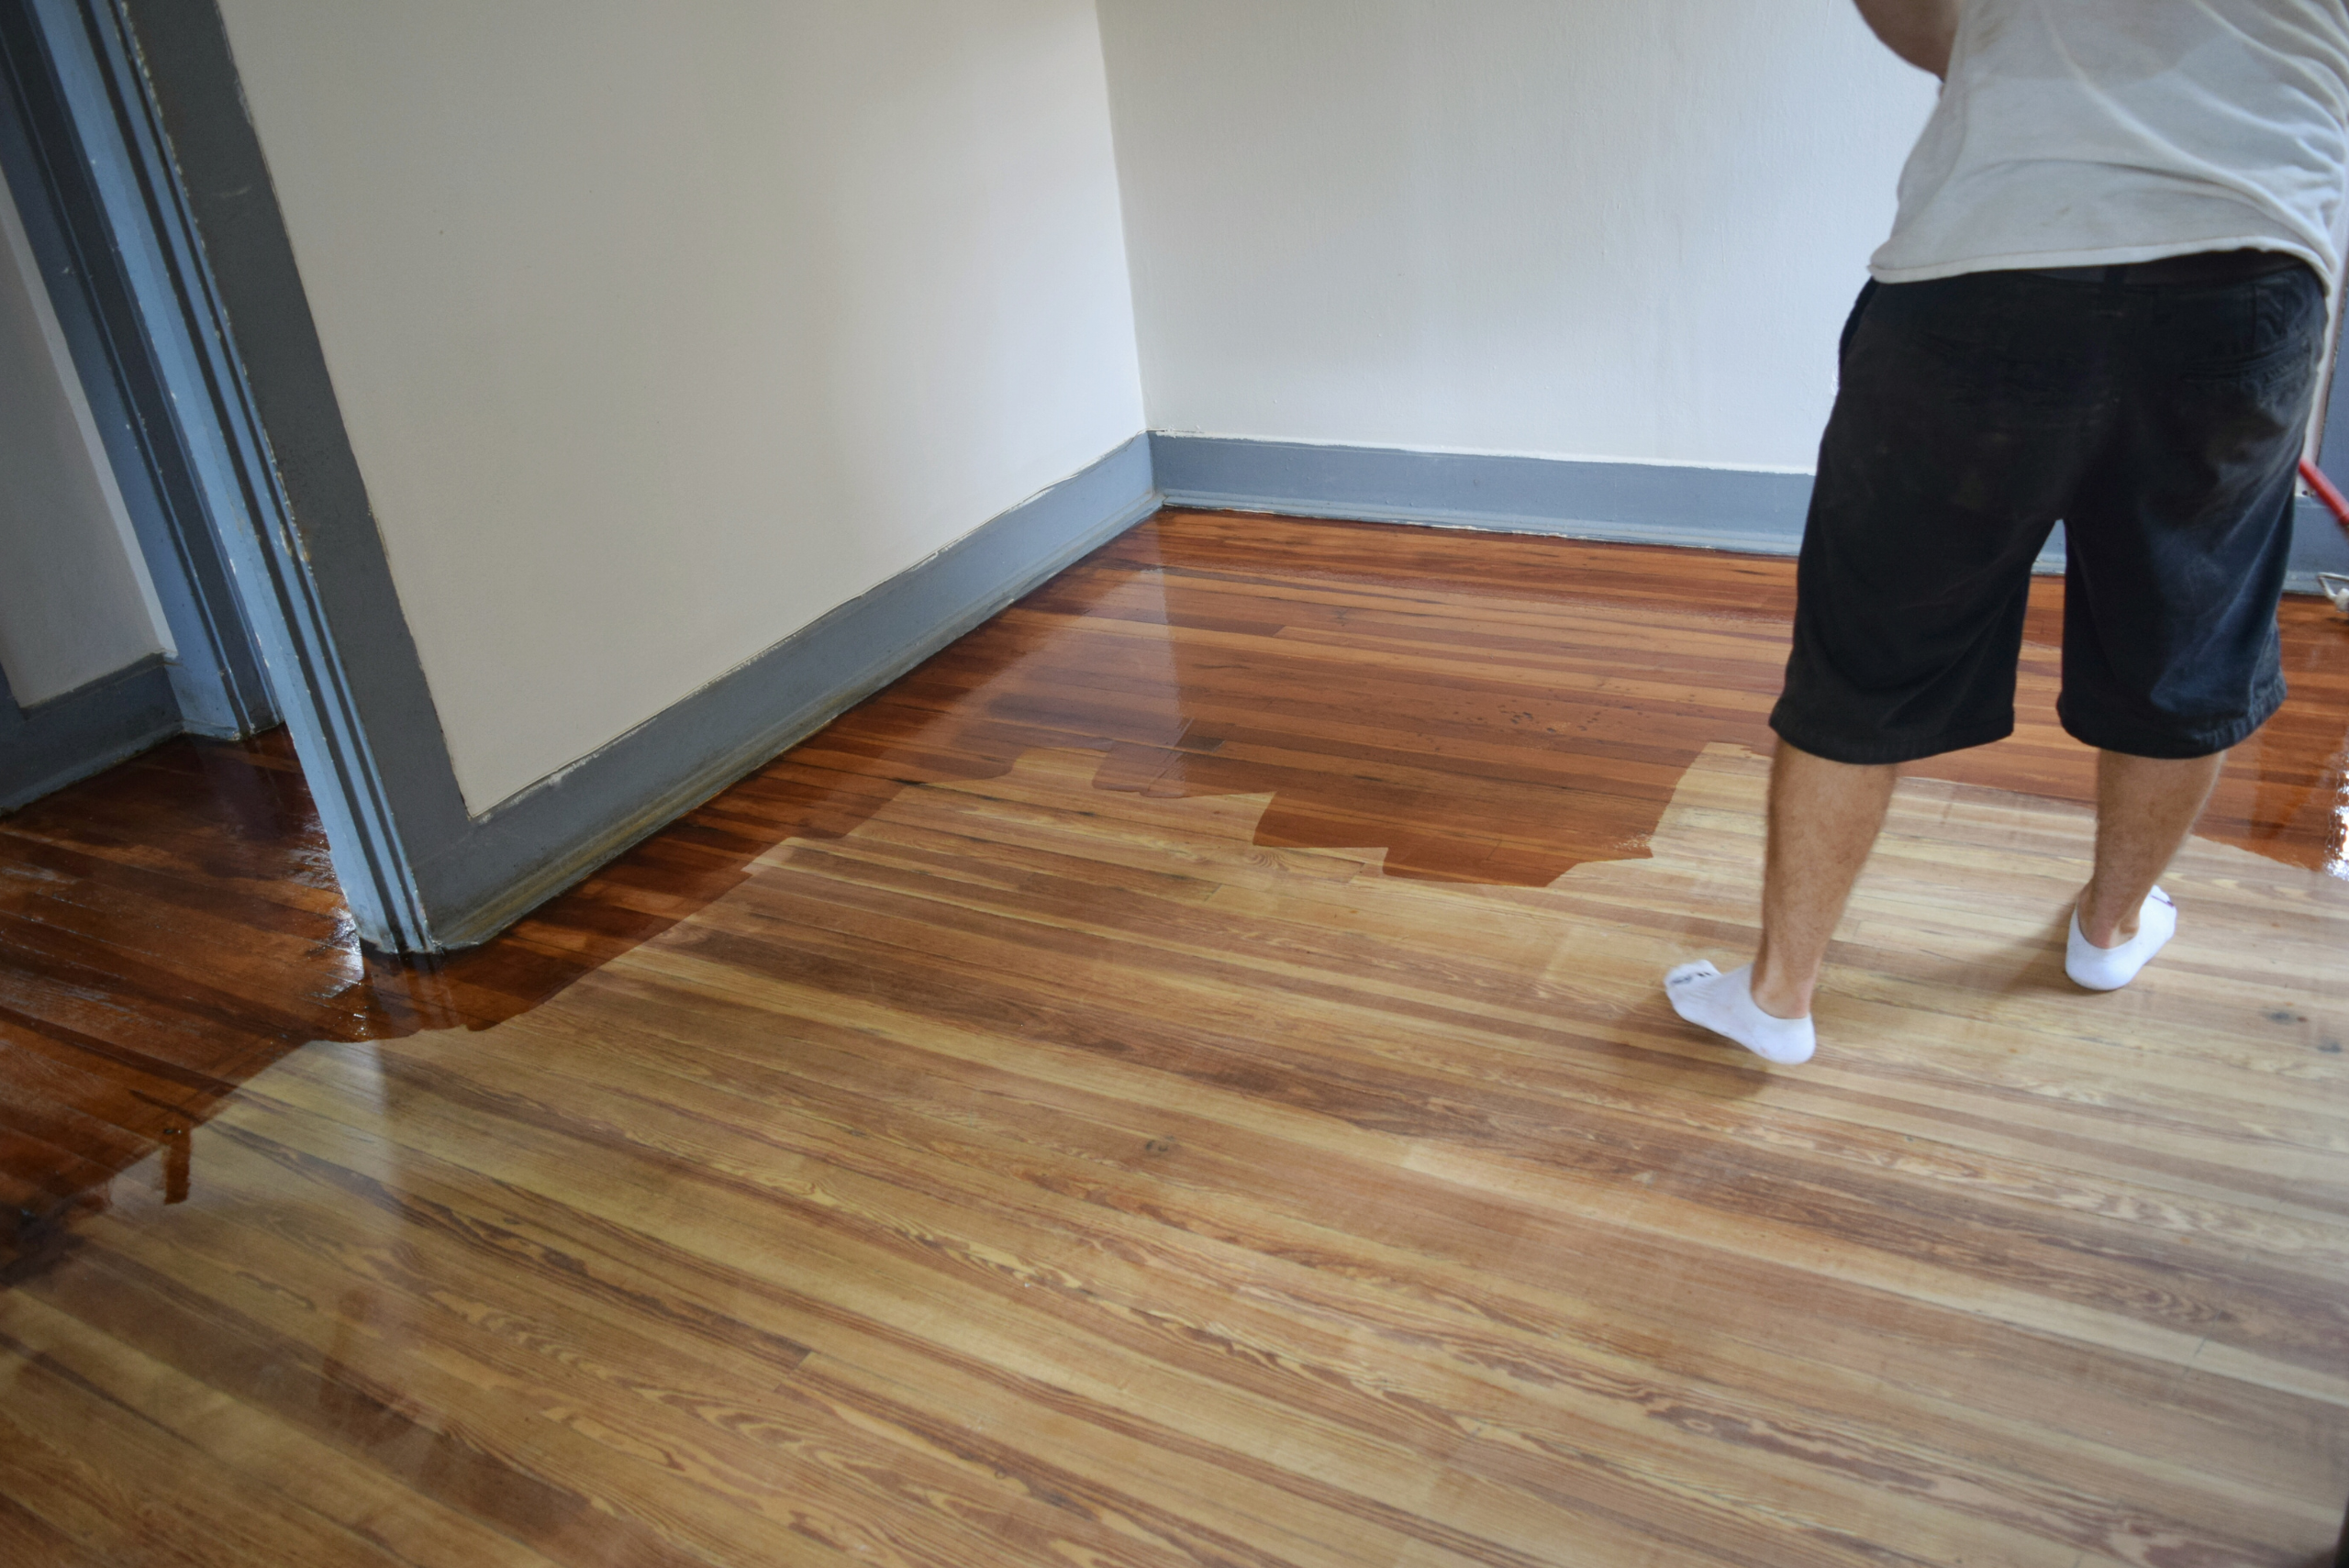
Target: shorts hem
x,y
1876,754
2170,745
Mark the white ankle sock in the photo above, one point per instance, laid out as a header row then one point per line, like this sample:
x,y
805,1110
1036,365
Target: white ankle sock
x,y
1724,1004
2109,969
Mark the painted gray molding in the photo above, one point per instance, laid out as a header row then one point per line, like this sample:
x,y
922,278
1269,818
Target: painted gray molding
x,y
532,846
250,381
1710,508
84,731
421,873
61,135
2318,545
1716,508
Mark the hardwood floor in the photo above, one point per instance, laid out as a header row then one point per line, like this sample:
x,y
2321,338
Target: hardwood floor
x,y
1180,1079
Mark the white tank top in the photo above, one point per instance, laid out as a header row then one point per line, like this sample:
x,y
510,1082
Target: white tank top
x,y
2086,132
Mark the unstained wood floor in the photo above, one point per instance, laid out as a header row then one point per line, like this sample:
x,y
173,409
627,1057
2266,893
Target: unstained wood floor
x,y
1179,1079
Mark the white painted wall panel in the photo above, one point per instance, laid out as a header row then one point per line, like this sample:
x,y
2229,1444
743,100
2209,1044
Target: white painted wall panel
x,y
76,600
1562,228
660,330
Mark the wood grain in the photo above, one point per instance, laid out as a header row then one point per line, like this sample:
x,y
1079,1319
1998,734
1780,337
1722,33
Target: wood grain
x,y
1180,1079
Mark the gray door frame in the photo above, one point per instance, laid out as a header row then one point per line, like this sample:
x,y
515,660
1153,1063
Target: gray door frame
x,y
66,171
214,516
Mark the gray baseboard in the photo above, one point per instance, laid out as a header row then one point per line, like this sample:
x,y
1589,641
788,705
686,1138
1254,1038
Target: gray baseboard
x,y
532,846
85,731
2319,544
1713,508
1708,508
422,872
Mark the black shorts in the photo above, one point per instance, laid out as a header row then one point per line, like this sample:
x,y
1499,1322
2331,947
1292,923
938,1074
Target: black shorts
x,y
2161,423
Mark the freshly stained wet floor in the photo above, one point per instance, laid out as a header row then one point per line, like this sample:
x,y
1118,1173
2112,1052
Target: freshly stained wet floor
x,y
1177,1079
1481,708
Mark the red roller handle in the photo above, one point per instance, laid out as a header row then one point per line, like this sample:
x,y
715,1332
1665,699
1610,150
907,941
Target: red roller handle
x,y
2334,501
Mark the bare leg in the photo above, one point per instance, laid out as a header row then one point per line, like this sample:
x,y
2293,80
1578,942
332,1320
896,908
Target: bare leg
x,y
2144,808
1823,821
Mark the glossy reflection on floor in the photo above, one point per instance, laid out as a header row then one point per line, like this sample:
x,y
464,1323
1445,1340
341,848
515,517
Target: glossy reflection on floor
x,y
1175,1080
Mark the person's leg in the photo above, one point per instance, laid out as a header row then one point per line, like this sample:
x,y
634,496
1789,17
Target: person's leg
x,y
1824,817
2144,808
1962,420
2179,541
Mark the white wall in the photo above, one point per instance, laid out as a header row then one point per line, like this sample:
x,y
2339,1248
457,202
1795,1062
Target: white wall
x,y
1614,229
661,330
76,600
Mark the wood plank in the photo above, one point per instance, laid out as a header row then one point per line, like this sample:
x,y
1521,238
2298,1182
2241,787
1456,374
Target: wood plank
x,y
1179,1079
